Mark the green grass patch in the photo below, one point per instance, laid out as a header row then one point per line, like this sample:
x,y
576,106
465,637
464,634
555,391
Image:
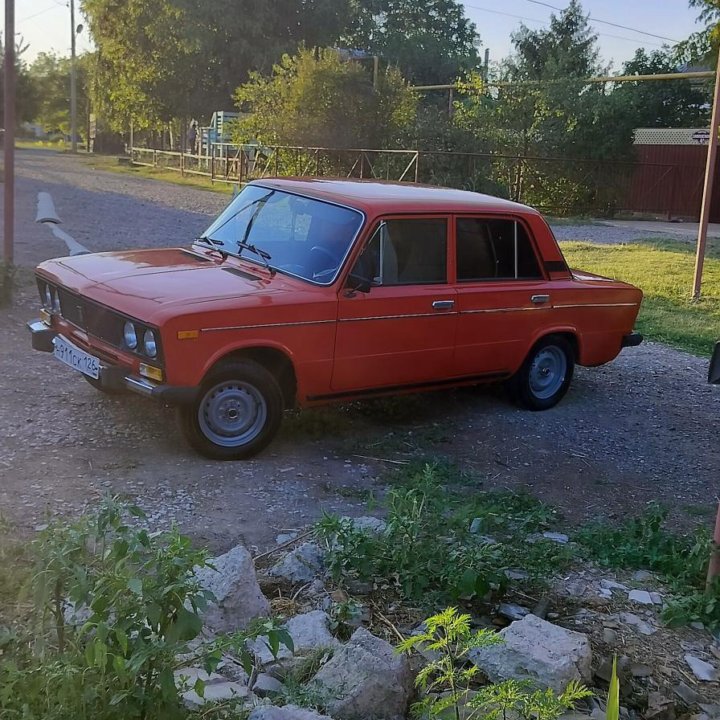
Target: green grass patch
x,y
663,270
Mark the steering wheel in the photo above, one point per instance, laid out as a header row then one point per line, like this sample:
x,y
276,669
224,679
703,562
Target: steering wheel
x,y
327,255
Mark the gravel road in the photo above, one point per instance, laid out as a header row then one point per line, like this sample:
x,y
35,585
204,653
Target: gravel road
x,y
640,429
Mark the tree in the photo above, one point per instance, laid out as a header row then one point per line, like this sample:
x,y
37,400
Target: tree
x,y
25,91
431,41
315,98
674,103
50,76
702,46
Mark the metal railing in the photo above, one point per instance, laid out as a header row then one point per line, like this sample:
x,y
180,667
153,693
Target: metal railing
x,y
560,186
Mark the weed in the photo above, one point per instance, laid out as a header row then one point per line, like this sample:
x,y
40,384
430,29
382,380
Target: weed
x,y
643,542
447,681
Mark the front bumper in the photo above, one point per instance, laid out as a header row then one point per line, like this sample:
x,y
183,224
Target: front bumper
x,y
113,377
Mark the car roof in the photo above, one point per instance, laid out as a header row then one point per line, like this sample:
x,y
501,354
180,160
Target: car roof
x,y
378,196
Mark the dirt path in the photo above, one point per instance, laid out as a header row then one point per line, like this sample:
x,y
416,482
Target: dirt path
x,y
643,428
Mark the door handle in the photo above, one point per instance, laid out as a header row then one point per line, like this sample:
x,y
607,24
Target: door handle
x,y
539,299
443,304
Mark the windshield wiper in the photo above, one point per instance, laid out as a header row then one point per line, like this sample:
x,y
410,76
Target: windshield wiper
x,y
262,254
214,245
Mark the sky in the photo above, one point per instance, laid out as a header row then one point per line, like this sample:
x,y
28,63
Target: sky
x,y
45,24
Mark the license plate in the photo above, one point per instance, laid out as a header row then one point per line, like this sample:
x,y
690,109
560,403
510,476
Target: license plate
x,y
76,358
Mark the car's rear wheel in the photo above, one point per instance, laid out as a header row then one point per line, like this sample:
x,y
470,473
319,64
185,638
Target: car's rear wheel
x,y
236,414
546,374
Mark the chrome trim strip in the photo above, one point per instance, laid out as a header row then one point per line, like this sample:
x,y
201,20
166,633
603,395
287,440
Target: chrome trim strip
x,y
579,305
501,310
267,325
398,317
138,385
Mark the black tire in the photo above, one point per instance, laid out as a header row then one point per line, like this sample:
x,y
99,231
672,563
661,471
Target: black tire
x,y
237,413
546,374
99,386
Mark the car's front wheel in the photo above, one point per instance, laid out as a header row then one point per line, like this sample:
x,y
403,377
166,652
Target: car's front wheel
x,y
236,414
545,376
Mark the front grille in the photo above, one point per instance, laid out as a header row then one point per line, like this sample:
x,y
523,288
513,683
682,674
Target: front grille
x,y
91,317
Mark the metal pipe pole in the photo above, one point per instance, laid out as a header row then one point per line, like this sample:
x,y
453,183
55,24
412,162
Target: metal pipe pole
x,y
708,188
9,137
73,81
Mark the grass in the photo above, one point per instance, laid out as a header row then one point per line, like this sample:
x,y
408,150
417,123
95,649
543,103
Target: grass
x,y
663,270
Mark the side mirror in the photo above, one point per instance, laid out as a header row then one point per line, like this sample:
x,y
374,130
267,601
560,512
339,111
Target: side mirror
x,y
357,283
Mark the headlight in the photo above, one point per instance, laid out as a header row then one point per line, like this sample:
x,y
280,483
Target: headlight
x,y
55,300
150,343
130,336
48,300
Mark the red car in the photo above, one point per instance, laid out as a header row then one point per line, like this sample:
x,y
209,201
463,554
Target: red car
x,y
310,291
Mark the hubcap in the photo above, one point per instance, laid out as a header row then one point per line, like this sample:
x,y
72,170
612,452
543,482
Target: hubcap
x,y
232,413
547,373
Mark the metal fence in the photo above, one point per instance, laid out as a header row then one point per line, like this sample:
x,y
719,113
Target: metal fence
x,y
560,186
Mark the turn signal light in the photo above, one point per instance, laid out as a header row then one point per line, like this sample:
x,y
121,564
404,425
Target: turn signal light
x,y
150,372
188,334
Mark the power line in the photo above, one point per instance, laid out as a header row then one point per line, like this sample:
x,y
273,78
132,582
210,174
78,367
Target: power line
x,y
42,12
545,22
607,22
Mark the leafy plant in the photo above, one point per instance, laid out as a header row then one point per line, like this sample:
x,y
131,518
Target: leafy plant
x,y
613,703
447,681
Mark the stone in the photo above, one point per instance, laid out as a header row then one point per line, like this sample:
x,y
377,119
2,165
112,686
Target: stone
x,y
610,636
368,524
286,712
285,538
612,585
656,598
642,576
712,711
702,670
188,676
238,598
512,611
639,670
310,631
556,537
638,623
301,565
216,692
687,694
533,649
641,597
515,574
659,707
266,685
364,679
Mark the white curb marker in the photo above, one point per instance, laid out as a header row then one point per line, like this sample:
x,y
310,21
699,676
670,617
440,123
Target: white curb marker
x,y
47,216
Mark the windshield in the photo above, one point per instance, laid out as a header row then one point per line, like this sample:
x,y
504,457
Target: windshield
x,y
295,235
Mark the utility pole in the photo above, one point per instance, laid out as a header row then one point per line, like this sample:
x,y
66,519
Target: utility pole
x,y
73,81
9,140
708,188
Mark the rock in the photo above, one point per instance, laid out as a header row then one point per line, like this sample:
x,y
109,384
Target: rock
x,y
639,670
642,576
301,565
612,585
610,636
285,538
309,632
368,524
365,679
216,692
702,670
640,596
659,707
266,685
556,537
656,598
638,623
687,694
712,711
515,574
233,582
536,650
287,712
512,611
187,677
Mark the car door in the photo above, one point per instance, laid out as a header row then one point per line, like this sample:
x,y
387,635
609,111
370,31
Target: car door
x,y
402,331
503,297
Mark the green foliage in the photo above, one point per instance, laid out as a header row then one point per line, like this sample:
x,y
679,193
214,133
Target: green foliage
x,y
310,98
681,560
613,702
447,681
114,607
431,41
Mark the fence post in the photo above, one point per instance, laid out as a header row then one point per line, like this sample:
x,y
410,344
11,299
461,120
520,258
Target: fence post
x,y
362,164
212,164
154,158
417,165
182,162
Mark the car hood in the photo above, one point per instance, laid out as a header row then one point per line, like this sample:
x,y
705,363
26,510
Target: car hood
x,y
155,278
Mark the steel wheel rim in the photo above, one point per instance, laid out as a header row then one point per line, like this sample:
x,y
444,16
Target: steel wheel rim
x,y
547,372
232,413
